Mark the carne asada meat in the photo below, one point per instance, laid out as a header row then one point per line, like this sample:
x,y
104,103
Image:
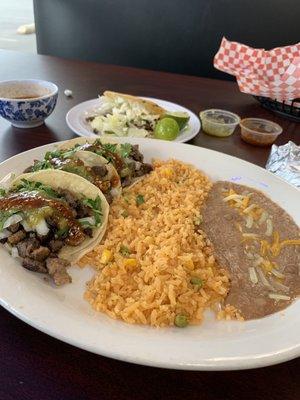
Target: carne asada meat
x,y
34,265
14,228
40,254
56,245
100,170
15,238
57,269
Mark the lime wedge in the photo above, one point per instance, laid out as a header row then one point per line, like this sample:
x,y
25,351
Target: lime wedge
x,y
166,129
182,118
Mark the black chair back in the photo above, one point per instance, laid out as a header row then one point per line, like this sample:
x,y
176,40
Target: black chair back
x,y
170,35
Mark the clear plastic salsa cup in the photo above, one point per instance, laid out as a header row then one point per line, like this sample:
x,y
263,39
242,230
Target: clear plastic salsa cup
x,y
219,123
259,132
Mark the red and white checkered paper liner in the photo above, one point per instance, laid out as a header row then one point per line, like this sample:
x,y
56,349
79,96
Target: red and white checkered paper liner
x,y
274,73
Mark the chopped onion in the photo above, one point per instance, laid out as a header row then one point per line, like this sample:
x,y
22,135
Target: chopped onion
x,y
263,279
42,228
263,218
269,229
277,273
253,275
4,234
279,286
115,192
26,226
138,165
14,252
87,221
250,208
249,221
13,219
233,197
276,296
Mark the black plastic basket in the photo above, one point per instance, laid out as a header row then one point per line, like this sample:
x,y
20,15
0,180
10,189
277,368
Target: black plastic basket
x,y
289,110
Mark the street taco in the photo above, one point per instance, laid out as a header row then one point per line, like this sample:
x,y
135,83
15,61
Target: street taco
x,y
91,166
125,115
49,219
125,157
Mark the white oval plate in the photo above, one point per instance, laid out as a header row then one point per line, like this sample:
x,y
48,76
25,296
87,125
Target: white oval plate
x,y
63,313
76,118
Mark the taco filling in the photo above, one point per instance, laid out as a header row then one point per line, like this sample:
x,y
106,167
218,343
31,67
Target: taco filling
x,y
125,157
103,176
124,115
36,222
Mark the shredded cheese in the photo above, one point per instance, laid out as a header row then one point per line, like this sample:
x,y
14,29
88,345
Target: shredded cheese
x,y
232,197
250,208
269,230
277,274
276,296
253,275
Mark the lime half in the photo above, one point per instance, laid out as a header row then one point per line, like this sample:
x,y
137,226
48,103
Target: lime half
x,y
182,118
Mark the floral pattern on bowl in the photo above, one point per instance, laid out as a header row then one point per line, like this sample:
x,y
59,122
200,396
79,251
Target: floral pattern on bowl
x,y
28,113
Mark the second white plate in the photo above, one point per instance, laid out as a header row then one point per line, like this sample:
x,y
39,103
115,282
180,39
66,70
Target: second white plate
x,y
76,118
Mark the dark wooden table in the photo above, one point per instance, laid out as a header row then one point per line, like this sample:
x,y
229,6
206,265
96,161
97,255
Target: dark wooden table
x,y
36,366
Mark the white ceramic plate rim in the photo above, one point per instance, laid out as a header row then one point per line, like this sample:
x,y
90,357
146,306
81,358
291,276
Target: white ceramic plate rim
x,y
75,118
235,345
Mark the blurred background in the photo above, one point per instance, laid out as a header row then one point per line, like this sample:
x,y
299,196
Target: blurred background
x,y
167,35
14,14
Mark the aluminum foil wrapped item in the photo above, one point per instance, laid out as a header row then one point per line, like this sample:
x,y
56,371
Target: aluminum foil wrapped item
x,y
284,161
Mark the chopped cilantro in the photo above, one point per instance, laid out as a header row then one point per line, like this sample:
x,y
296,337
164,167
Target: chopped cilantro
x,y
125,214
28,186
38,165
110,147
124,250
2,192
95,205
53,154
61,153
62,233
125,150
139,199
69,153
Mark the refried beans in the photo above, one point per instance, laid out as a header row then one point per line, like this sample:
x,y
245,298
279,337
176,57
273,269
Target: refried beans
x,y
257,242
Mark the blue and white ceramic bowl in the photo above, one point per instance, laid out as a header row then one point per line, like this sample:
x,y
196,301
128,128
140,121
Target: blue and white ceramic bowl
x,y
26,103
